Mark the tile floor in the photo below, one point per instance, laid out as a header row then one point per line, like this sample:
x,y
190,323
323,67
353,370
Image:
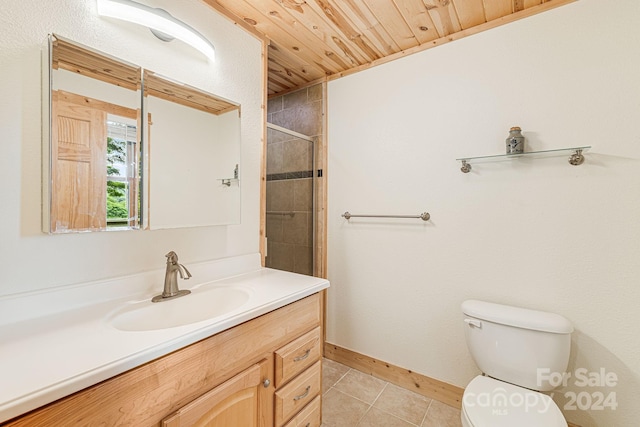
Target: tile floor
x,y
354,399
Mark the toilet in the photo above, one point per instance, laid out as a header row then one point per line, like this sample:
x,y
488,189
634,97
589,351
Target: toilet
x,y
520,352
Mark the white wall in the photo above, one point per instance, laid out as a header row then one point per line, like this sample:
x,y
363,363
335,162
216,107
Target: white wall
x,y
35,261
205,148
541,234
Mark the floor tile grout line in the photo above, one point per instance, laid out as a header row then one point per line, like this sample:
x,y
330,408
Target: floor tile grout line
x,y
379,394
355,397
424,418
364,415
397,416
351,396
343,375
372,405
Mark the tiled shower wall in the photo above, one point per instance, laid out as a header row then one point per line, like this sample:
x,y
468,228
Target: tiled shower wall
x,y
290,183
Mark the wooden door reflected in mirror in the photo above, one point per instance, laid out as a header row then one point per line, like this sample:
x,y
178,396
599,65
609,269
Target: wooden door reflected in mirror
x,y
93,167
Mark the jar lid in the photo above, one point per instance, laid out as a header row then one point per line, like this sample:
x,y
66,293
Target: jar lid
x,y
515,128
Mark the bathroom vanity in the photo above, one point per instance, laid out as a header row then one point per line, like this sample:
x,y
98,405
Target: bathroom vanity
x,y
258,365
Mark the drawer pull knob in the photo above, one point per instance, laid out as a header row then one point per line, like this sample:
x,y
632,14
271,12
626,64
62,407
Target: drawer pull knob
x,y
266,383
303,395
304,356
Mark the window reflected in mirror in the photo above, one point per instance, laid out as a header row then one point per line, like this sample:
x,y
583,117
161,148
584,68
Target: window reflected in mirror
x,y
122,172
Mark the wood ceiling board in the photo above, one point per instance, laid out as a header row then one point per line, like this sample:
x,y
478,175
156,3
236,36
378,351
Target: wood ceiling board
x,y
393,22
296,72
444,16
272,22
335,41
494,9
517,6
531,3
417,17
301,22
352,35
470,12
295,64
285,79
325,32
370,28
275,88
283,76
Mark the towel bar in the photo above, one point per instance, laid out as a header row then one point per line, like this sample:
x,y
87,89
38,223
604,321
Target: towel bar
x,y
423,216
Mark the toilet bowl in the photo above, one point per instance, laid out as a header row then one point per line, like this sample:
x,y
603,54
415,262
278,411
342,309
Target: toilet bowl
x,y
488,402
511,345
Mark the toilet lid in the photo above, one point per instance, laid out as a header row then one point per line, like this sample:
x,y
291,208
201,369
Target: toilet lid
x,y
491,403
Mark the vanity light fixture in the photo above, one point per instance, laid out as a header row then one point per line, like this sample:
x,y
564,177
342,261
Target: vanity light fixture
x,y
158,21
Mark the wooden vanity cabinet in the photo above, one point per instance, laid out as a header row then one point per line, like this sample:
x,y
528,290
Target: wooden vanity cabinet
x,y
238,377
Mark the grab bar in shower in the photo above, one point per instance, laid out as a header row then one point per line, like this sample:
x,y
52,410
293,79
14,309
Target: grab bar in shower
x,y
423,216
283,213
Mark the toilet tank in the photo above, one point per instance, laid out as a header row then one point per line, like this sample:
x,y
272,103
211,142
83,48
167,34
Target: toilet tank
x,y
517,345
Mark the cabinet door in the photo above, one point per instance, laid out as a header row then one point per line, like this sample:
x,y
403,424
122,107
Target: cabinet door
x,y
233,403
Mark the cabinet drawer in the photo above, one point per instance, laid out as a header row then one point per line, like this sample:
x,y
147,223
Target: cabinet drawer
x,y
308,417
296,356
291,398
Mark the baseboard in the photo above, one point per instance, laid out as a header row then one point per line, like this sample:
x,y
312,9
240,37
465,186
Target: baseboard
x,y
434,389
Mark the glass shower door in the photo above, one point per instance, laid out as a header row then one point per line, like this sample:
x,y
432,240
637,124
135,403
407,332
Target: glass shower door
x,y
290,221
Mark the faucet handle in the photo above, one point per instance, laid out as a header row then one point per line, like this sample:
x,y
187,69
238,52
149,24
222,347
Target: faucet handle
x,y
172,257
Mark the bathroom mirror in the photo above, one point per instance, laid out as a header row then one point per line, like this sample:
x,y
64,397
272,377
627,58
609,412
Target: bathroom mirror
x,y
92,123
194,155
114,159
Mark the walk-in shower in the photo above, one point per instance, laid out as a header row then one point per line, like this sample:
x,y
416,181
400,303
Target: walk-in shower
x,y
290,194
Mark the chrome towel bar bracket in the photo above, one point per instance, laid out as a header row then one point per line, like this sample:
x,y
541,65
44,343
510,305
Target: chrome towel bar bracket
x,y
423,216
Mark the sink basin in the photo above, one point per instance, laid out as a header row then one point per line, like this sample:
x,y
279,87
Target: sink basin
x,y
198,306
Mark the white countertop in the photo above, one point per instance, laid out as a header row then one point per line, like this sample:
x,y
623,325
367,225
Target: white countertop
x,y
60,341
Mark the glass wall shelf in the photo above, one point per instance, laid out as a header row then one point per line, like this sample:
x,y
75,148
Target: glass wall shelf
x,y
575,156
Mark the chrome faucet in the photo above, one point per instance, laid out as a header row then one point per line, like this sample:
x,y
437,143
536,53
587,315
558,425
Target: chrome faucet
x,y
171,279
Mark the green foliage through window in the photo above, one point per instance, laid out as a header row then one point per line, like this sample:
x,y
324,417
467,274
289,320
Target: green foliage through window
x,y
116,190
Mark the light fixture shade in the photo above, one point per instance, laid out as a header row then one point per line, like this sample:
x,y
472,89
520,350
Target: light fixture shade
x,y
156,19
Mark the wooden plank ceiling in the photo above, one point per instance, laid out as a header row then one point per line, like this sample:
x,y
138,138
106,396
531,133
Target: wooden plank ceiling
x,y
311,40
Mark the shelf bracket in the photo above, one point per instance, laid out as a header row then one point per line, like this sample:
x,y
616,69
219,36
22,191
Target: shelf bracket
x,y
466,167
576,158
